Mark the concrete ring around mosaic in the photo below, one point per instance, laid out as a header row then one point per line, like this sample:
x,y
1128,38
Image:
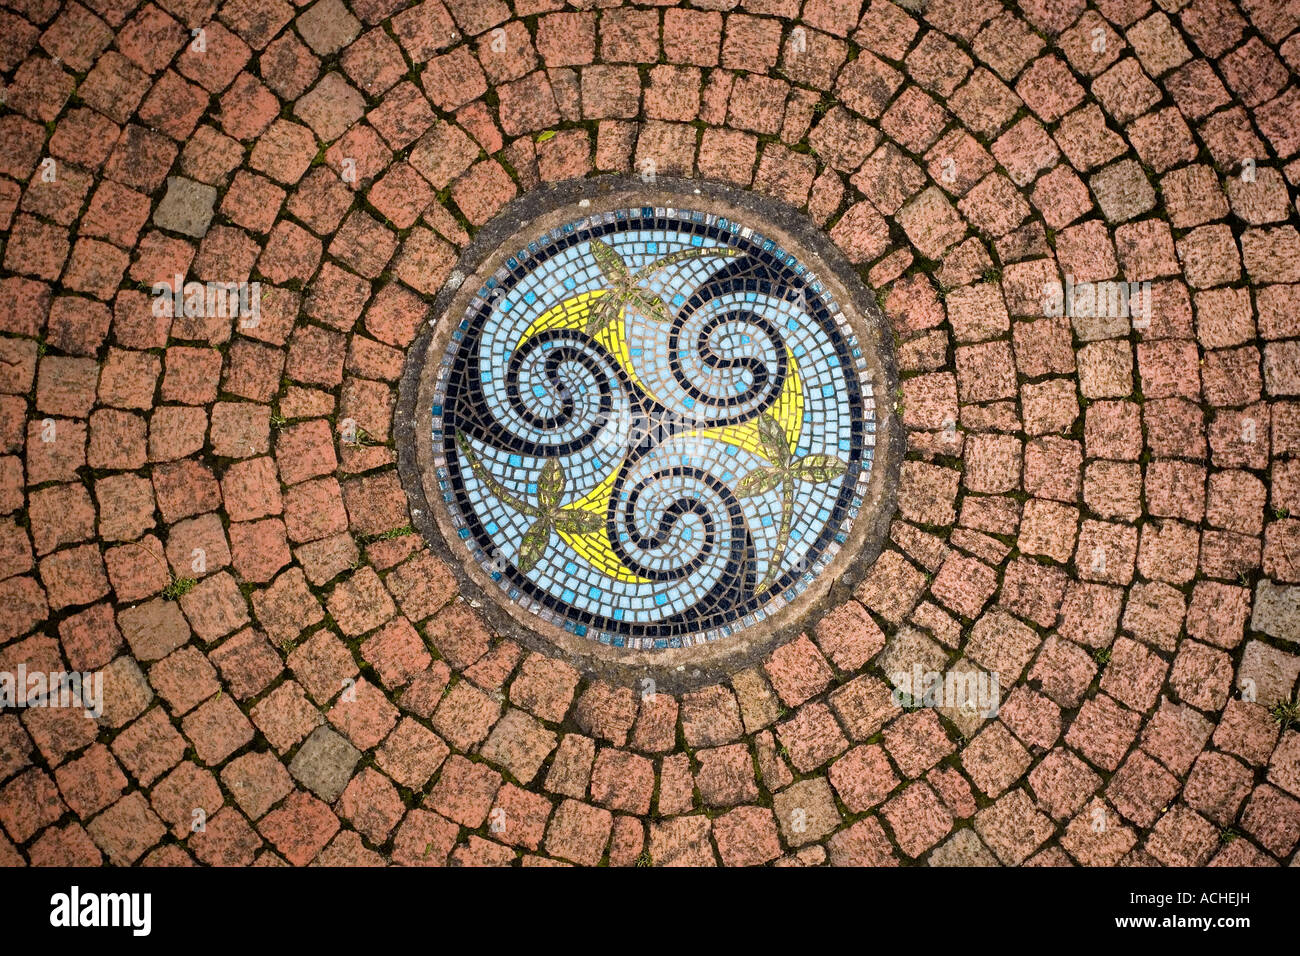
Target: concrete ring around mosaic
x,y
652,425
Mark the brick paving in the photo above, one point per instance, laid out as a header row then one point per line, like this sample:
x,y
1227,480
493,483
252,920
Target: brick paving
x,y
1104,513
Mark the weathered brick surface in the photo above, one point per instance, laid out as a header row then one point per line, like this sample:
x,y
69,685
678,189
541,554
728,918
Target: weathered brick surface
x,y
1100,510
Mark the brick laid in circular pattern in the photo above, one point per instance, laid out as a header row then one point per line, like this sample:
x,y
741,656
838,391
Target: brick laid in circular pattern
x,y
1102,513
651,426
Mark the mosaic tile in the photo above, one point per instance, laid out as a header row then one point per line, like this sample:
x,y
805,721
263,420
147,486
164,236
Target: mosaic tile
x,y
653,427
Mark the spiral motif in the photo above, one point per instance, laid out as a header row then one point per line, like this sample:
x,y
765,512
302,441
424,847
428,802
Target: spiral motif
x,y
656,429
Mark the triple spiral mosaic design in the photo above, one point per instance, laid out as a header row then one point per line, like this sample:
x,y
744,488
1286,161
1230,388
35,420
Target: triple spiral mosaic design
x,y
653,427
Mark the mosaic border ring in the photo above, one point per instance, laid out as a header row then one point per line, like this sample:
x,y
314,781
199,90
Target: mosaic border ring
x,y
652,424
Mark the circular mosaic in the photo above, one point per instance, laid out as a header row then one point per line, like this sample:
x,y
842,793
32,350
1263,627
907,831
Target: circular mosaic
x,y
652,427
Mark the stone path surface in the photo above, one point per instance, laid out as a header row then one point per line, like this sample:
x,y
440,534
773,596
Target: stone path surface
x,y
1105,513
